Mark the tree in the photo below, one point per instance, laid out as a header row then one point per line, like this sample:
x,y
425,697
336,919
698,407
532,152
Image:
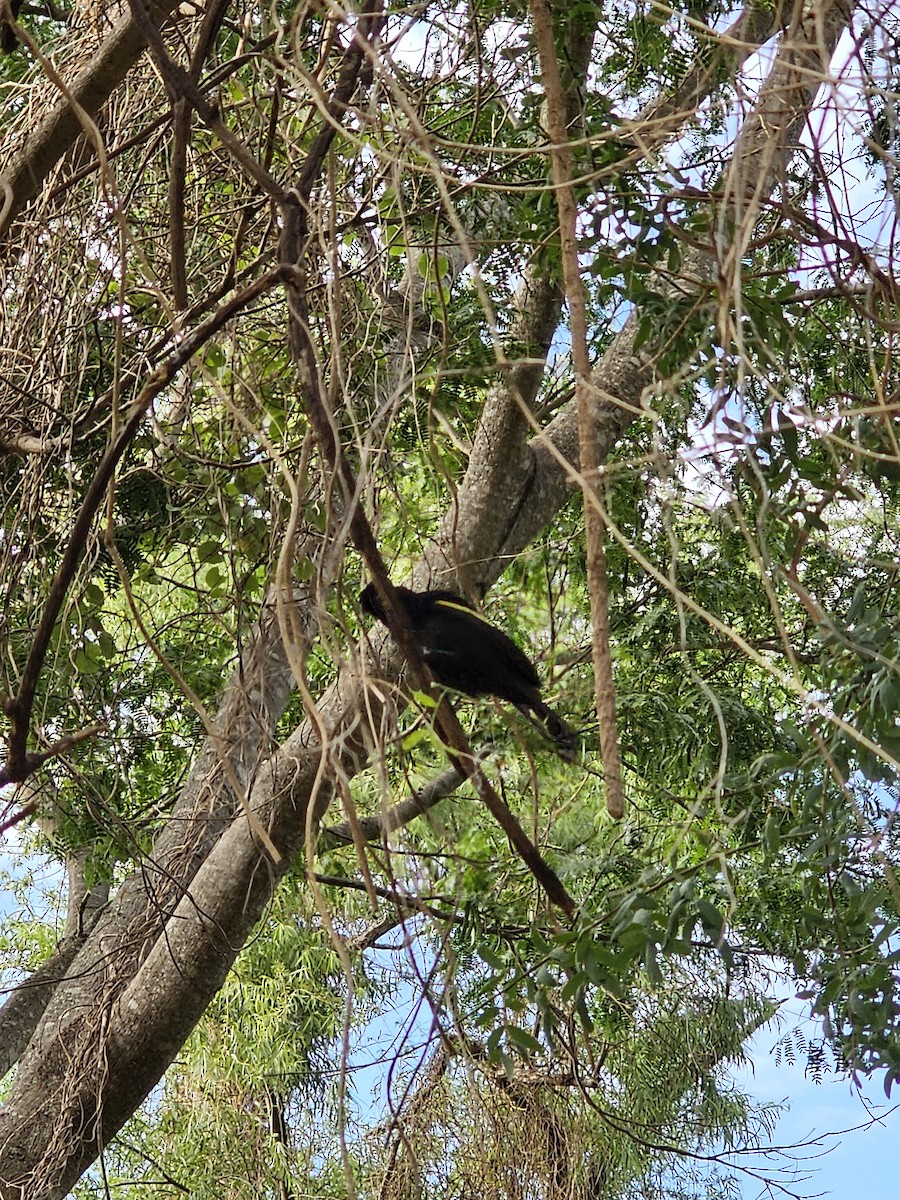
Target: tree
x,y
289,295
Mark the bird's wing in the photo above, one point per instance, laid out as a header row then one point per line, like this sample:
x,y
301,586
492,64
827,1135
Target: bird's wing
x,y
495,643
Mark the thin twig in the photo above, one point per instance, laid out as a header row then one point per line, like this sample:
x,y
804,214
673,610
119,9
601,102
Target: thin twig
x,y
19,765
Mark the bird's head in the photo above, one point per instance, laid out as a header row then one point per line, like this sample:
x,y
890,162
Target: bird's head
x,y
369,602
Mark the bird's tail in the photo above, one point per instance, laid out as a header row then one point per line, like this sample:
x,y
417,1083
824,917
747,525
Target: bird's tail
x,y
563,736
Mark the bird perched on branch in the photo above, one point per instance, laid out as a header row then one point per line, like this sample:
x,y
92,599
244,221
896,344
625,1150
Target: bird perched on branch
x,y
465,652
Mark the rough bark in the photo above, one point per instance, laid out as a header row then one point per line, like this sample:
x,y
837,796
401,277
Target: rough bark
x,y
156,959
253,702
516,481
22,177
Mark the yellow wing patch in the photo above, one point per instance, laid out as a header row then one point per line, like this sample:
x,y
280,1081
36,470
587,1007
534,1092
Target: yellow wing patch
x,y
469,612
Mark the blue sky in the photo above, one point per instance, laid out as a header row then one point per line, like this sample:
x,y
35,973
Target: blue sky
x,y
848,1136
839,1141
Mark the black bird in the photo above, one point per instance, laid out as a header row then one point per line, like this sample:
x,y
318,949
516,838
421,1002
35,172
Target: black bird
x,y
8,39
465,652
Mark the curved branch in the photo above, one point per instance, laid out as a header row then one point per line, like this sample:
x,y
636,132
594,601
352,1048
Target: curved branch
x,y
21,180
377,828
20,764
513,486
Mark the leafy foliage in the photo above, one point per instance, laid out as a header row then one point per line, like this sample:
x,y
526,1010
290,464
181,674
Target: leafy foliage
x,y
752,513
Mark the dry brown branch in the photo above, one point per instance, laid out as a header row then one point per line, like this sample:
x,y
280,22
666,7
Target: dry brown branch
x,y
513,486
182,86
377,828
32,759
181,127
588,444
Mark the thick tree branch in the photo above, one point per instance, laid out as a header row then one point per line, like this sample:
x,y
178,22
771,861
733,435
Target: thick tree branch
x,y
146,991
181,132
22,178
513,486
502,461
183,86
253,701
